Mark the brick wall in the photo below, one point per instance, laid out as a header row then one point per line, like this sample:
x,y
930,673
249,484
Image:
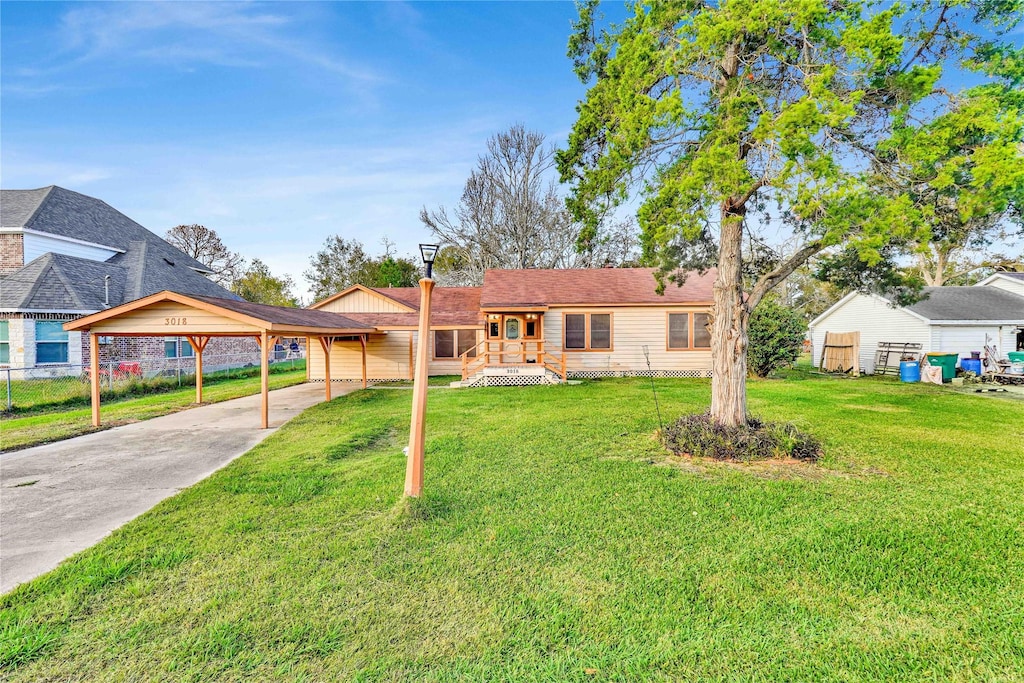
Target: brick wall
x,y
240,350
12,252
150,351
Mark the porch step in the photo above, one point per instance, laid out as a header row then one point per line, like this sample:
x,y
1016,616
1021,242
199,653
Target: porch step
x,y
510,375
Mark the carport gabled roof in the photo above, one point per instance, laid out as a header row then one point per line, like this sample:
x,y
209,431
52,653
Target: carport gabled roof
x,y
273,319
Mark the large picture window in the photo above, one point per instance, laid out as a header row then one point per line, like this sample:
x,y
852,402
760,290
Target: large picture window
x,y
588,332
51,342
688,331
454,343
5,342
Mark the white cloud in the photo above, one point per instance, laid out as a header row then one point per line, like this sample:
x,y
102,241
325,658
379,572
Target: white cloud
x,y
184,35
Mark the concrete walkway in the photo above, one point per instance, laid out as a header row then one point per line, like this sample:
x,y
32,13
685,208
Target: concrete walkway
x,y
87,486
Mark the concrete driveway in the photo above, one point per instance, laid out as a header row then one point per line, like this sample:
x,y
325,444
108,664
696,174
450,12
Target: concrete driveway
x,y
58,499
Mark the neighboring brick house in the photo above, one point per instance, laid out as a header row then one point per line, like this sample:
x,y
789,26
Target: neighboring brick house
x,y
64,255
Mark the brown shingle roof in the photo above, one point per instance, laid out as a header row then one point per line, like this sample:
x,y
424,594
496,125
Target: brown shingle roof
x,y
471,318
444,299
598,286
281,315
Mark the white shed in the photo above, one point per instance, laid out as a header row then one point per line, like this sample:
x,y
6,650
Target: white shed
x,y
1010,282
947,320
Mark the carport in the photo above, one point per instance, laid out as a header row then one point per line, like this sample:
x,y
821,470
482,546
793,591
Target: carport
x,y
200,318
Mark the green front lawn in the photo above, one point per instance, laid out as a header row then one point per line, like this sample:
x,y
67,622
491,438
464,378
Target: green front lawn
x,y
48,394
44,427
556,541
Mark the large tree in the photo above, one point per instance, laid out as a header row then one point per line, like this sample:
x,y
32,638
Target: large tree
x,y
342,263
205,246
258,285
511,215
720,111
963,172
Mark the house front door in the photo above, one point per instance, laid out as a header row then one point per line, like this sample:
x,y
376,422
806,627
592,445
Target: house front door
x,y
513,328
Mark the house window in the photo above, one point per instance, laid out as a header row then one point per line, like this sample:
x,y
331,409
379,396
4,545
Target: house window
x,y
494,326
5,342
678,330
176,347
454,343
51,342
531,326
688,331
701,334
588,332
576,331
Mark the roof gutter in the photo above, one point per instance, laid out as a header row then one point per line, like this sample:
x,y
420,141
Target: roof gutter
x,y
1018,322
62,238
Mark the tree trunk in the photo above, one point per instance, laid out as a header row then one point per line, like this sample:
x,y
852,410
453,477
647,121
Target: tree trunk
x,y
729,327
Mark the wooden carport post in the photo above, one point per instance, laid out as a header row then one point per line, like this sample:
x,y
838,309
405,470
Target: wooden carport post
x,y
362,343
326,343
94,377
198,344
264,342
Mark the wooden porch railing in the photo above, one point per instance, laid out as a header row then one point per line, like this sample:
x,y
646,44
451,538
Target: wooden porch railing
x,y
504,352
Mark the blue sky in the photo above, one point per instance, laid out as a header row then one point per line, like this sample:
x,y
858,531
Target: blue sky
x,y
277,125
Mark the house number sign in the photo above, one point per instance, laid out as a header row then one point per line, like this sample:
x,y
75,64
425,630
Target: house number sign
x,y
175,321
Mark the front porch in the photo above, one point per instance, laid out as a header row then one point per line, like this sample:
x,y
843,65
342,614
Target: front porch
x,y
506,362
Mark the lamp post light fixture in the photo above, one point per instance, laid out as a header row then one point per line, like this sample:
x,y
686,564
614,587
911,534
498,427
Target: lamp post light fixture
x,y
429,253
414,461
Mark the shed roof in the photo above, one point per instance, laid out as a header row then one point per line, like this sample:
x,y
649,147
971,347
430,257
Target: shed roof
x,y
969,303
593,286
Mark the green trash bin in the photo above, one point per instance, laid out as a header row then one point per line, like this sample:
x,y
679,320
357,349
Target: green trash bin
x,y
946,361
1016,356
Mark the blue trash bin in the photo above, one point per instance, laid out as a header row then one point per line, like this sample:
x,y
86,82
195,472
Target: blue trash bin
x,y
971,365
910,371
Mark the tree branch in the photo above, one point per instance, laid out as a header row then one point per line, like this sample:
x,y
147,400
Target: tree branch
x,y
784,270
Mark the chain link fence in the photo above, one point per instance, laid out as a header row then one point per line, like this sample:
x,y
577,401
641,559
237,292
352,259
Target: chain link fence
x,y
51,387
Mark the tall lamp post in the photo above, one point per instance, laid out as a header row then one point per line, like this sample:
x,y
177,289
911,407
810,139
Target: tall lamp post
x,y
414,463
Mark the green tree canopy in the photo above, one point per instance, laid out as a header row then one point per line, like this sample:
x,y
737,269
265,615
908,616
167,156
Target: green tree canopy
x,y
718,113
342,263
259,286
964,174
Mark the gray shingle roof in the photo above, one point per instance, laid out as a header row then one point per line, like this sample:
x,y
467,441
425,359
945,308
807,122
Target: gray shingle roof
x,y
64,213
18,206
147,265
1015,276
969,303
59,282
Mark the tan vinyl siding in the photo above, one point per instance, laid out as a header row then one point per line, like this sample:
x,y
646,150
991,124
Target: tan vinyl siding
x,y
444,366
632,329
387,357
358,301
172,319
